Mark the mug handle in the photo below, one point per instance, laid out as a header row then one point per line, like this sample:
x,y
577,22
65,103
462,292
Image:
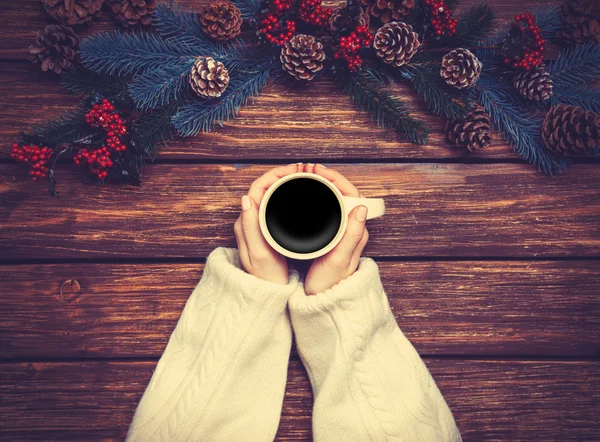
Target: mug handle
x,y
375,206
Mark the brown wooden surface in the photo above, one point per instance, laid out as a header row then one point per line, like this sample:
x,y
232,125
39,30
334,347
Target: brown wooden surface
x,y
491,268
468,308
490,400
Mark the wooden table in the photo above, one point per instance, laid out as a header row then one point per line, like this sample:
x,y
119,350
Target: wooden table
x,y
492,269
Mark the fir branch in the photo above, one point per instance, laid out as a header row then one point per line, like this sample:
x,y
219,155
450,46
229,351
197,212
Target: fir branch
x,y
474,25
589,99
248,8
201,116
388,111
83,83
67,128
579,64
438,97
153,129
173,22
119,54
547,18
160,86
520,127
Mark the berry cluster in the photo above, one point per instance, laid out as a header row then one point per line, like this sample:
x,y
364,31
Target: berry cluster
x,y
98,160
311,12
534,55
441,21
36,156
351,44
271,26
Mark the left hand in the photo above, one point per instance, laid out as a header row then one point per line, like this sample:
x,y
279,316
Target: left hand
x,y
256,255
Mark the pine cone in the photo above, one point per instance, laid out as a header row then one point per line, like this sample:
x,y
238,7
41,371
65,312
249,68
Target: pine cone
x,y
460,68
473,132
55,48
388,10
535,84
209,78
340,20
302,57
570,129
221,20
581,20
396,43
73,12
132,12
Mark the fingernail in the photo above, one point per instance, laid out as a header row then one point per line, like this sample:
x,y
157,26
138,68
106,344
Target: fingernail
x,y
310,166
245,202
361,214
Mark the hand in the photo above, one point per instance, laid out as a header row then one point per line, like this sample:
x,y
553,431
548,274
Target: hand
x,y
256,255
342,261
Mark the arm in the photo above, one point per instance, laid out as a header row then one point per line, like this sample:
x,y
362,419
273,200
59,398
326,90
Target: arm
x,y
222,376
368,381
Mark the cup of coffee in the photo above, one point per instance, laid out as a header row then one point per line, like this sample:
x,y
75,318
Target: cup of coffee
x,y
303,215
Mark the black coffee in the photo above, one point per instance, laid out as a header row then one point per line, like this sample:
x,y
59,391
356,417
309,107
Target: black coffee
x,y
303,215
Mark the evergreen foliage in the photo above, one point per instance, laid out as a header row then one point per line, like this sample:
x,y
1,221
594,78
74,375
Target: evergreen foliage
x,y
248,8
576,65
83,83
67,128
153,129
369,94
474,25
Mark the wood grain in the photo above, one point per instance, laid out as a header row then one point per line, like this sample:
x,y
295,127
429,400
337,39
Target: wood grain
x,y
500,210
490,400
458,308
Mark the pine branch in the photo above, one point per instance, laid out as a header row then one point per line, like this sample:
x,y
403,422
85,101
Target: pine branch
x,y
153,129
521,128
589,99
547,18
437,96
576,65
388,111
67,128
158,87
474,25
119,54
201,116
83,83
248,8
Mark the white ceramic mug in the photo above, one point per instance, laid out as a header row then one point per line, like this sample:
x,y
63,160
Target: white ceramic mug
x,y
375,206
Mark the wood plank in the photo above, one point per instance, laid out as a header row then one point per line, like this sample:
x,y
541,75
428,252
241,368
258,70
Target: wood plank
x,y
22,19
318,122
490,400
468,308
498,210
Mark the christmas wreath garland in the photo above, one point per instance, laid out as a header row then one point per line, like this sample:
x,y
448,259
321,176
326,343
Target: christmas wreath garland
x,y
195,70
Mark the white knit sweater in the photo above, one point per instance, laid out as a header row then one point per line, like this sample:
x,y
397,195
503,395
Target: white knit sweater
x,y
222,376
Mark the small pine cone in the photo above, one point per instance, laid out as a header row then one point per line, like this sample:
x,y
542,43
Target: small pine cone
x,y
55,48
341,20
535,84
396,43
460,68
302,57
581,21
73,12
132,12
209,78
221,20
388,10
472,132
571,129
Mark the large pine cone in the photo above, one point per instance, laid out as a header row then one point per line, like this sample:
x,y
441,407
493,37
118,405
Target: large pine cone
x,y
341,20
221,20
73,12
132,12
571,129
535,84
581,20
209,78
55,48
473,132
302,57
460,68
396,43
388,10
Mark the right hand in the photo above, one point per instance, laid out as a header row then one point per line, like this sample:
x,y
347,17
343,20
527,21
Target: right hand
x,y
256,255
342,261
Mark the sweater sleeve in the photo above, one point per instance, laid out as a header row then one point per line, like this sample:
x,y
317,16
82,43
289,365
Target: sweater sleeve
x,y
222,375
368,381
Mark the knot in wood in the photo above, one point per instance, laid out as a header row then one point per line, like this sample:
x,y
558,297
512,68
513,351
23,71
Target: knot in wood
x,y
70,290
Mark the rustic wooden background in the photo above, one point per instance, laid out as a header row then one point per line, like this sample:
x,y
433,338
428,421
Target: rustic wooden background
x,y
492,269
